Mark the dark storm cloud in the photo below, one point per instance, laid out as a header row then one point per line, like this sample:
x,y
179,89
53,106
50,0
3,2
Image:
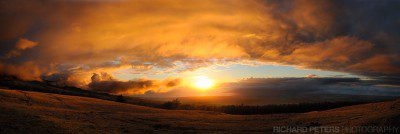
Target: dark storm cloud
x,y
104,82
296,89
128,87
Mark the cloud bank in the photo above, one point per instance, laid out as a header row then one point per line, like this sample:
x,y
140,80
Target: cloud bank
x,y
295,90
106,83
261,91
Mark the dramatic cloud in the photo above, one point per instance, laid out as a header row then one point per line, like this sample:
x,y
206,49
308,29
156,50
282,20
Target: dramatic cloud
x,y
172,82
106,83
25,70
21,45
78,38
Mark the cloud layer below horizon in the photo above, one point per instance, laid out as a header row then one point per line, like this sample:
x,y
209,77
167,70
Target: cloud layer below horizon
x,y
74,39
262,91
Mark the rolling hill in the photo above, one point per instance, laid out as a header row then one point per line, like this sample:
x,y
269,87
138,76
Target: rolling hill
x,y
36,112
13,83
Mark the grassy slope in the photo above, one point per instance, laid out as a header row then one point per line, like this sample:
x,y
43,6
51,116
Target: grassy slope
x,y
34,112
10,82
273,100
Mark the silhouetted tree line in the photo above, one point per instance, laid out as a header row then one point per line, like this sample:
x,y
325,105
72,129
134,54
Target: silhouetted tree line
x,y
282,108
259,109
174,104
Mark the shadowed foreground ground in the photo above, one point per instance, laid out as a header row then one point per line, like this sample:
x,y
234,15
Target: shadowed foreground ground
x,y
35,112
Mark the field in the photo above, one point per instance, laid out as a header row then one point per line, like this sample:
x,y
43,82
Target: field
x,y
35,112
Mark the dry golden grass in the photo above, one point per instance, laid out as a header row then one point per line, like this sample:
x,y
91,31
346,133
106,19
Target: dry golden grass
x,y
35,112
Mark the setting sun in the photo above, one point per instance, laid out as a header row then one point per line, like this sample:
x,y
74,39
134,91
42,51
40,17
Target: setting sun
x,y
203,82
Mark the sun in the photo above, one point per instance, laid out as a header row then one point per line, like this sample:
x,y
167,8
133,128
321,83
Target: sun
x,y
203,82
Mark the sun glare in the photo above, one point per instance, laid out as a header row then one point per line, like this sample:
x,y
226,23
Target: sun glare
x,y
203,82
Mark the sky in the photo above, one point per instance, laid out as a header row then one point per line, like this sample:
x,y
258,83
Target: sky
x,y
236,72
161,46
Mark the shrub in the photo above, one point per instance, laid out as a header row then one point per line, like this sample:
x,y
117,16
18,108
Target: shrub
x,y
174,104
121,98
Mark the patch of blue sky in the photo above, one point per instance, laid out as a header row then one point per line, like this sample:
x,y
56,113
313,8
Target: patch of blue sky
x,y
234,72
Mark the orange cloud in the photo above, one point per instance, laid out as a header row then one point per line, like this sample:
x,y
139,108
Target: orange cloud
x,y
104,82
25,71
22,44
